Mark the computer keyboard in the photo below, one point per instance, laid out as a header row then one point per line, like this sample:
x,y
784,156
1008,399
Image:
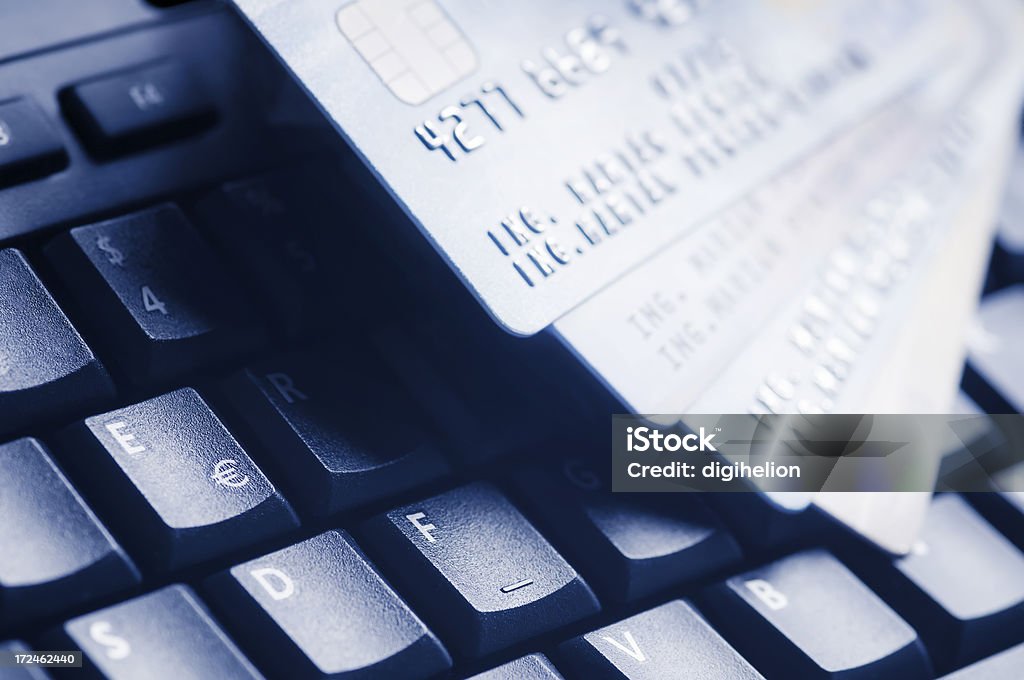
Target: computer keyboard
x,y
240,438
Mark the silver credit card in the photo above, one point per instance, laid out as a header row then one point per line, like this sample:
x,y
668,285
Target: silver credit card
x,y
844,285
631,173
545,148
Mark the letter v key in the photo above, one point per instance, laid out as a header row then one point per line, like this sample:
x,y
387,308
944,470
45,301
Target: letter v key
x,y
633,649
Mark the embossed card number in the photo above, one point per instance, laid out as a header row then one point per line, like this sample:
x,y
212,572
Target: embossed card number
x,y
621,125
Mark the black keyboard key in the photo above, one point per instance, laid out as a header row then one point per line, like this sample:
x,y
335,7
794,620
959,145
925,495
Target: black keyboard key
x,y
278,228
670,641
320,609
1008,253
483,575
808,616
152,290
46,370
628,545
132,110
53,551
532,667
170,479
340,432
962,586
165,635
476,401
787,521
20,672
994,376
1004,665
1004,508
29,145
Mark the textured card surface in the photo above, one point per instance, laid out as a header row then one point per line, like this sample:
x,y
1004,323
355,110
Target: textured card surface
x,y
772,304
545,148
845,285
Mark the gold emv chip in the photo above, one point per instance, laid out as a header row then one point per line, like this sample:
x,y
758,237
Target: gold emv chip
x,y
411,45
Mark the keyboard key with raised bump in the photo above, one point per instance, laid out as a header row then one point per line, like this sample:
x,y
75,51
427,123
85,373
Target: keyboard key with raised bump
x,y
482,575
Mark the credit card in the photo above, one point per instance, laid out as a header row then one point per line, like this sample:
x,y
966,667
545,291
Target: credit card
x,y
546,148
814,253
849,290
609,164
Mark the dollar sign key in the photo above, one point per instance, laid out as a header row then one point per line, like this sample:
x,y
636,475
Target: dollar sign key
x,y
114,256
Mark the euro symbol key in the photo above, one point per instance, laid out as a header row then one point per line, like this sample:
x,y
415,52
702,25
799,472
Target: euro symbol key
x,y
226,473
114,256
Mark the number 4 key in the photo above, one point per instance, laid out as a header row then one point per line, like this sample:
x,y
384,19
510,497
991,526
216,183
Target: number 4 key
x,y
151,289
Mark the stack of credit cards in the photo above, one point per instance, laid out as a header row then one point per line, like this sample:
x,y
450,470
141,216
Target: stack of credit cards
x,y
717,207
